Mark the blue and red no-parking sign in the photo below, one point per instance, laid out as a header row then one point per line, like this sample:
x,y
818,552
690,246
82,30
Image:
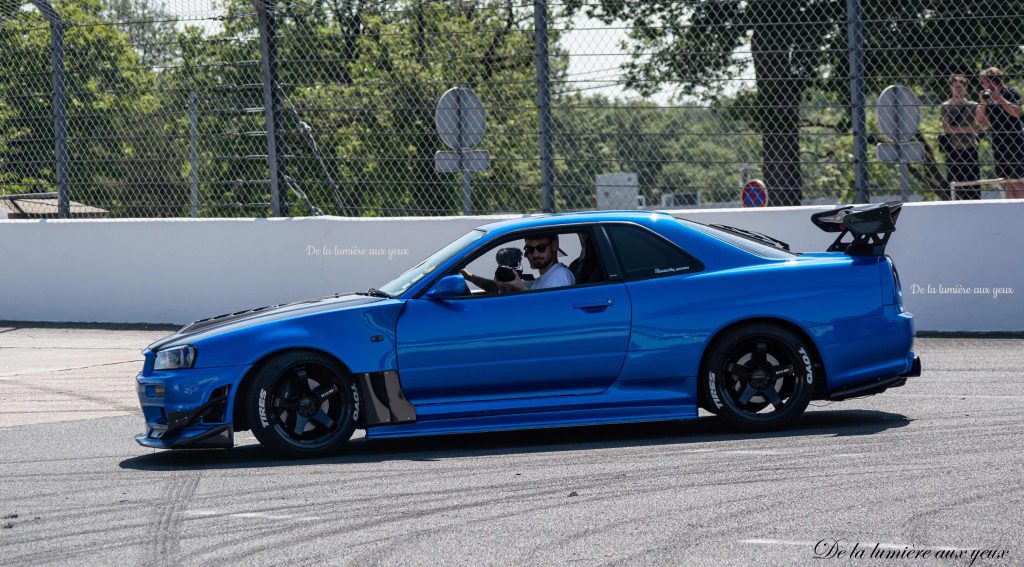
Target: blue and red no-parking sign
x,y
755,193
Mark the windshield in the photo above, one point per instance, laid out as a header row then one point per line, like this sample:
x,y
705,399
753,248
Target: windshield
x,y
399,285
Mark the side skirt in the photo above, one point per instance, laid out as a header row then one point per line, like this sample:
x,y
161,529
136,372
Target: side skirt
x,y
626,402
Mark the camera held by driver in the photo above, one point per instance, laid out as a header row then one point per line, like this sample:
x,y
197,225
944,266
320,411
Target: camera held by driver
x,y
510,263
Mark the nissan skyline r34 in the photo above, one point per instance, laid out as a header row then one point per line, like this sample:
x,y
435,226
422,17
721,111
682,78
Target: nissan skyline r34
x,y
652,318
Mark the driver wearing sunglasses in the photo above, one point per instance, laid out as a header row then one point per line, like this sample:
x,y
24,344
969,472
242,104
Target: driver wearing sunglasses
x,y
542,253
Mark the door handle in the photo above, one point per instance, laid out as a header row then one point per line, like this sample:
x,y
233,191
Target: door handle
x,y
594,304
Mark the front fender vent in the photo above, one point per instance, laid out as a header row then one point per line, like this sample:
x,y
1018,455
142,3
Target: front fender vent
x,y
218,412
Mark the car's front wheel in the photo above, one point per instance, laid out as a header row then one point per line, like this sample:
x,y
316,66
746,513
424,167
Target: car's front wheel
x,y
302,404
758,377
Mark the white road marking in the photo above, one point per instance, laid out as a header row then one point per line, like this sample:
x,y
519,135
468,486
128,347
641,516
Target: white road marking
x,y
955,396
258,515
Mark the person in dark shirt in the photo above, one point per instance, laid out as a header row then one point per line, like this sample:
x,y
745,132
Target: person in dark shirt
x,y
1000,114
960,138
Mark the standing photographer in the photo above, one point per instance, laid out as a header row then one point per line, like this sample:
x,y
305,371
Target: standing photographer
x,y
999,112
959,139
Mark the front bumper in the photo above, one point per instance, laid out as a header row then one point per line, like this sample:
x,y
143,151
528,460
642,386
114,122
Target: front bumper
x,y
190,408
221,437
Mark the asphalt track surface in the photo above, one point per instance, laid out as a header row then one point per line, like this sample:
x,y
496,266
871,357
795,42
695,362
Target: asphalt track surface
x,y
935,466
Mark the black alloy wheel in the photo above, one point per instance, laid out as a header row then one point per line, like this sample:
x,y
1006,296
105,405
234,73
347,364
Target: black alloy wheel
x,y
759,377
303,404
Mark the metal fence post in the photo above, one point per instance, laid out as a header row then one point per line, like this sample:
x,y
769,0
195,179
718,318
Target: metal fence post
x,y
193,152
854,38
272,107
547,170
60,97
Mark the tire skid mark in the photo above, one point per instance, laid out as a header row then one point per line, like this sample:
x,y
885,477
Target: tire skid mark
x,y
69,513
93,512
64,554
279,538
726,520
614,494
740,516
400,514
166,532
988,492
444,493
414,507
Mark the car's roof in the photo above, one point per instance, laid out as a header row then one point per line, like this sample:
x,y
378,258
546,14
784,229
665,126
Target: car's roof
x,y
552,219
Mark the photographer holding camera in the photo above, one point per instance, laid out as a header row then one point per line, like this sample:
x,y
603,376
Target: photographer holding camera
x,y
999,112
542,252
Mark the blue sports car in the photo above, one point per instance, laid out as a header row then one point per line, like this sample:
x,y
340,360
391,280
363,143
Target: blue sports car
x,y
550,321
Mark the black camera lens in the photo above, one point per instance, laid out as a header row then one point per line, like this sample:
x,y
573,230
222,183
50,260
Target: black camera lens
x,y
986,94
504,274
510,257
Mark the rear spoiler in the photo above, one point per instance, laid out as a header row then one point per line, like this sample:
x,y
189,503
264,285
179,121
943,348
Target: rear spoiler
x,y
870,225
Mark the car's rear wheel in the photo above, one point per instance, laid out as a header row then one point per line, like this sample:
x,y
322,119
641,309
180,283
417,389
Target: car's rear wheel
x,y
758,377
302,404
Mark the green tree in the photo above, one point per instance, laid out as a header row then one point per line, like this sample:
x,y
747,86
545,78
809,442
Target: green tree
x,y
149,26
795,47
672,149
364,78
107,91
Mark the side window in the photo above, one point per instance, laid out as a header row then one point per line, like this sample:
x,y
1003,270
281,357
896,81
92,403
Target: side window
x,y
644,255
575,251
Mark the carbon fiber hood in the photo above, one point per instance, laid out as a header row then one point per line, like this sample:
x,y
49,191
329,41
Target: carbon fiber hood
x,y
263,315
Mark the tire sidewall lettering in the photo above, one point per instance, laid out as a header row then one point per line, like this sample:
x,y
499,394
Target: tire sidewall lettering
x,y
713,390
355,402
263,408
808,367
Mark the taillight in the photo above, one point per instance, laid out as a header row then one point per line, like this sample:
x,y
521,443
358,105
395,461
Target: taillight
x,y
896,283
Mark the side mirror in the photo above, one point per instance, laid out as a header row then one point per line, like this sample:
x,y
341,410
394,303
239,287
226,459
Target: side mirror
x,y
448,287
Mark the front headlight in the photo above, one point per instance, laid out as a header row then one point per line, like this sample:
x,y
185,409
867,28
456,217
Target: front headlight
x,y
175,358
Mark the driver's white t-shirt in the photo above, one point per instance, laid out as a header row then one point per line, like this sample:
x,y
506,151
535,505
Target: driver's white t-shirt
x,y
557,276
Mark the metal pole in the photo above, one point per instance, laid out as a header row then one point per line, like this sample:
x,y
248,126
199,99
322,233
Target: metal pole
x,y
900,149
547,170
272,108
60,97
193,152
467,197
855,42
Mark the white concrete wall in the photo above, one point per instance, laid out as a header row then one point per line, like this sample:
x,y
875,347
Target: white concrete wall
x,y
175,271
974,246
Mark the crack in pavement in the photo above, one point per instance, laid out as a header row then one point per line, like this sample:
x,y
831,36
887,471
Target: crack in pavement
x,y
31,371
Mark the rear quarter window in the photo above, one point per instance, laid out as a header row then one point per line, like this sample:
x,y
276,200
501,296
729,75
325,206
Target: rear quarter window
x,y
740,241
644,255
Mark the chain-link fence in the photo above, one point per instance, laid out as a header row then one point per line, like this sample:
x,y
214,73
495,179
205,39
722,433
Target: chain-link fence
x,y
298,107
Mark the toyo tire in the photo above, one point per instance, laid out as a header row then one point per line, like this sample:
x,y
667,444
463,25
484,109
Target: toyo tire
x,y
302,404
758,377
